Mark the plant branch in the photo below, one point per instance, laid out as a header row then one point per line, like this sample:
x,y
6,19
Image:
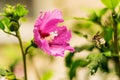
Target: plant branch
x,y
23,54
26,50
9,33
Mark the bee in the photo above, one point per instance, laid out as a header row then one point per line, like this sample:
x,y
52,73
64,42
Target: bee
x,y
98,40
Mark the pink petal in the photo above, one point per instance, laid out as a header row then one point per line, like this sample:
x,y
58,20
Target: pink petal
x,y
46,24
58,50
49,19
64,35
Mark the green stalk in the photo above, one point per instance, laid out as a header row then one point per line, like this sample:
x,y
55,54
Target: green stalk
x,y
116,48
23,55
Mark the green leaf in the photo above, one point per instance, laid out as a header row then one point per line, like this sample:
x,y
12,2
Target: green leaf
x,y
97,61
84,47
108,34
11,76
76,64
1,25
6,22
110,3
7,74
80,34
78,18
68,59
107,54
101,12
20,10
82,62
73,69
2,72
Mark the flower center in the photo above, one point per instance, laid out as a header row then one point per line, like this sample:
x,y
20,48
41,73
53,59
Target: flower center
x,y
51,36
48,36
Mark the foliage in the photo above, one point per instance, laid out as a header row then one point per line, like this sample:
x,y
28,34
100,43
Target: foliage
x,y
9,23
105,40
110,3
7,74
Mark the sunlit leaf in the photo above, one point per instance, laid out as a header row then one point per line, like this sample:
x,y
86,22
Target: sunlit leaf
x,y
101,12
6,22
110,3
7,74
1,25
2,72
107,54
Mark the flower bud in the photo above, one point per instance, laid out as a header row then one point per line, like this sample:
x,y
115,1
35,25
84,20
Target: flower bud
x,y
9,10
14,26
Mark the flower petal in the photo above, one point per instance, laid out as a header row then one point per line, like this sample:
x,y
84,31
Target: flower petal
x,y
41,43
64,35
49,19
49,37
58,50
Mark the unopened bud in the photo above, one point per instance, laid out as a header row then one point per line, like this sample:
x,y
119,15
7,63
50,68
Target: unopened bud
x,y
9,10
14,26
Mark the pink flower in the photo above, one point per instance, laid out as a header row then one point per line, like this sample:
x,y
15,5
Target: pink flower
x,y
49,37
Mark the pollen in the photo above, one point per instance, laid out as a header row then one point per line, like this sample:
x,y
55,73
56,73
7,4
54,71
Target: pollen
x,y
51,37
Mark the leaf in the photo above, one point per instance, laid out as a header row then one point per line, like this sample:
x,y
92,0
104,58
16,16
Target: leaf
x,y
107,54
1,25
76,64
73,68
110,3
108,34
84,47
7,74
6,22
20,10
101,12
68,59
2,72
80,34
78,18
97,61
93,17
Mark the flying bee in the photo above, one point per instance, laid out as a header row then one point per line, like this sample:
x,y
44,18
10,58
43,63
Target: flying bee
x,y
99,41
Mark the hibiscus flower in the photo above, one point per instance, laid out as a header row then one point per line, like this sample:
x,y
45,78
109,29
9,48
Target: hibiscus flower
x,y
50,37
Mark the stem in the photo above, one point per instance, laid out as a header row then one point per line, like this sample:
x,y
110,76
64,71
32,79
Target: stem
x,y
23,54
9,33
26,50
116,48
